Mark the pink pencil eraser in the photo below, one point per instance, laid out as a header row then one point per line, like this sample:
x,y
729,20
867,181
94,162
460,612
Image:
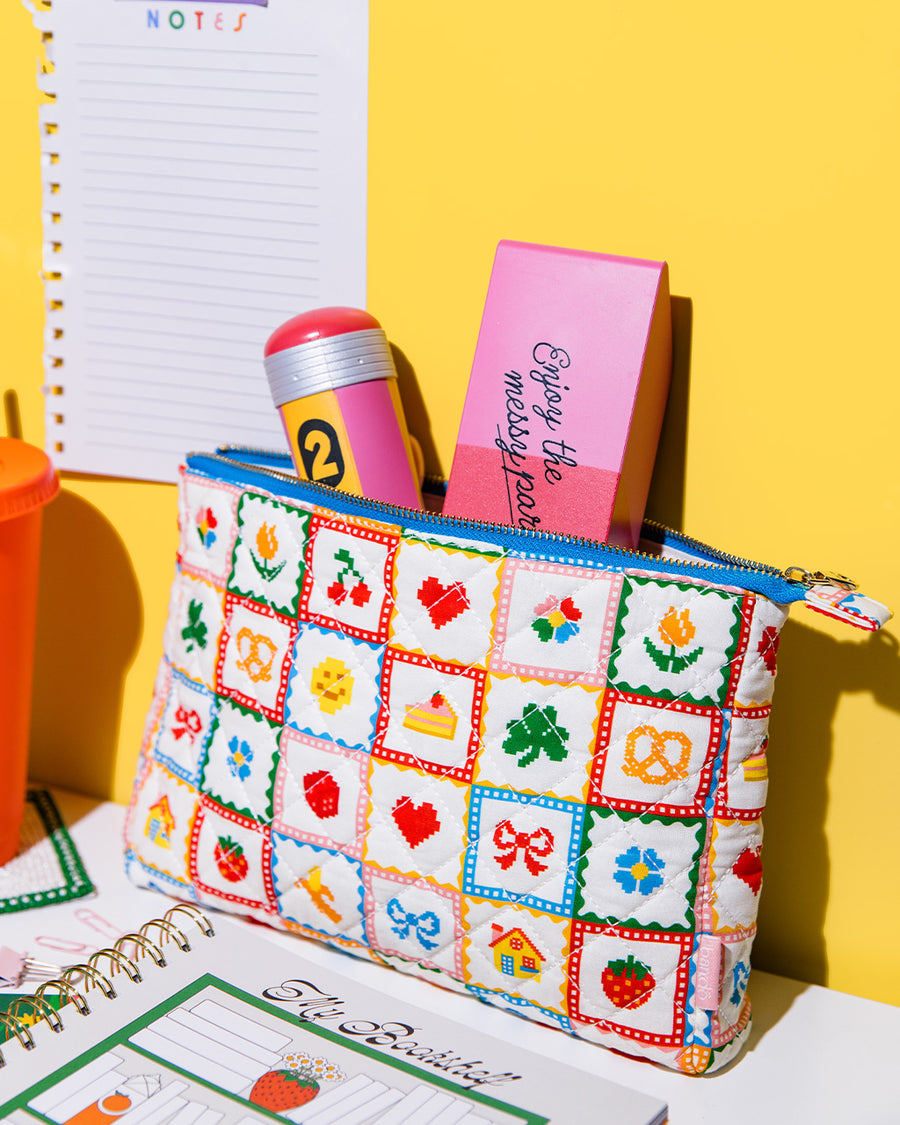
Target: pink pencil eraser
x,y
567,394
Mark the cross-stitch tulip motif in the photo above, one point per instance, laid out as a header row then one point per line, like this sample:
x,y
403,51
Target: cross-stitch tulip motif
x,y
676,632
267,548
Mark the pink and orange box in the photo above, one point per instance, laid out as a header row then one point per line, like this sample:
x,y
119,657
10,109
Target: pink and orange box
x,y
567,394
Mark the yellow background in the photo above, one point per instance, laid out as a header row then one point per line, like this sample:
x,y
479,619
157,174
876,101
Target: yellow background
x,y
754,147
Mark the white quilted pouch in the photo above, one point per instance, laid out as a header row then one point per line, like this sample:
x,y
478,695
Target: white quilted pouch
x,y
526,767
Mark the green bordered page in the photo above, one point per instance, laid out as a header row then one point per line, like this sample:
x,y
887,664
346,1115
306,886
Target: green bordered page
x,y
241,1030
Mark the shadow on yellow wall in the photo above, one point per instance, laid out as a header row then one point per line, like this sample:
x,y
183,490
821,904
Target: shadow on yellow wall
x,y
90,621
818,669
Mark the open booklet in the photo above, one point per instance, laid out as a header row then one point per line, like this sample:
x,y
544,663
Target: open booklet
x,y
238,1029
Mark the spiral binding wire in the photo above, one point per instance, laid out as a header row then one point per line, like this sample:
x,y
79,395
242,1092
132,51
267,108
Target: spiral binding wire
x,y
53,273
41,1009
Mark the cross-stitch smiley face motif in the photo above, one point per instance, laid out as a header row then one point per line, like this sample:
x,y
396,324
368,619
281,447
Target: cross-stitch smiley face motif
x,y
332,684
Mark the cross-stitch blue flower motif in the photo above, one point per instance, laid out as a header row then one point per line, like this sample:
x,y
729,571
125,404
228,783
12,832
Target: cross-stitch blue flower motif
x,y
639,870
239,758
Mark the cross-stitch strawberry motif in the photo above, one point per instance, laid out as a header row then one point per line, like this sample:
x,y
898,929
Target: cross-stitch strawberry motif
x,y
627,982
538,731
322,793
444,603
230,860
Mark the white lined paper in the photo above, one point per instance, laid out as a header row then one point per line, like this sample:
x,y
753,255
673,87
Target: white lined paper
x,y
210,183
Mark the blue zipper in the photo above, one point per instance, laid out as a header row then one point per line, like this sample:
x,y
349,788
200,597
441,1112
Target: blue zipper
x,y
248,467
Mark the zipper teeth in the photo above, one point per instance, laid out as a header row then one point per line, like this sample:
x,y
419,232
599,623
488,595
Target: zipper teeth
x,y
725,556
727,560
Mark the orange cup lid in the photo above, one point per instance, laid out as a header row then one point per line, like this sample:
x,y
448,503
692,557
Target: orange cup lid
x,y
27,478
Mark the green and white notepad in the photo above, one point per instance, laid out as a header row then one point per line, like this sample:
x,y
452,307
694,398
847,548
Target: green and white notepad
x,y
239,1029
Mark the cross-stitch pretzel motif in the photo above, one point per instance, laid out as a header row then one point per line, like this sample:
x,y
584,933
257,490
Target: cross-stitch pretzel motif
x,y
249,645
659,740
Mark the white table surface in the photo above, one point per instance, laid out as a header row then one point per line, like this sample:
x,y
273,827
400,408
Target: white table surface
x,y
814,1055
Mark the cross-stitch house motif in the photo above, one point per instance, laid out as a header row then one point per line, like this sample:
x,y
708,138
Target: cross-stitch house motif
x,y
515,954
160,823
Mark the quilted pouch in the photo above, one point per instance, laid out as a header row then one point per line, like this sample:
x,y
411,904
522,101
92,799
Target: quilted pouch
x,y
526,767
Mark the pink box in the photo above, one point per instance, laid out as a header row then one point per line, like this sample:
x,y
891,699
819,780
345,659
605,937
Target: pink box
x,y
567,394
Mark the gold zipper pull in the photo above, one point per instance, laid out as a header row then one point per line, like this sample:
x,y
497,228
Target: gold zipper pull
x,y
818,577
837,596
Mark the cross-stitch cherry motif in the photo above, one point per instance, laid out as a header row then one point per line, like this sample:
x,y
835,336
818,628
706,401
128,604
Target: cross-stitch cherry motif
x,y
748,866
443,603
322,793
359,593
416,822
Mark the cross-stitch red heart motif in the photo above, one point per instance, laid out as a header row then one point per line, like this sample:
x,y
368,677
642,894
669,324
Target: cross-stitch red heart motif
x,y
416,822
748,866
443,602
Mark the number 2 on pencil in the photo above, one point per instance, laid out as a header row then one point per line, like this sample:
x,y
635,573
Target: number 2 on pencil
x,y
320,449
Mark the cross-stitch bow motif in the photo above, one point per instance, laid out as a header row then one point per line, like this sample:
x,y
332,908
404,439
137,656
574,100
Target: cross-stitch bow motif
x,y
426,925
191,724
533,846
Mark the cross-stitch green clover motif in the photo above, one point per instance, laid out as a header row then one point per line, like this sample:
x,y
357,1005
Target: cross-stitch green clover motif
x,y
537,731
195,631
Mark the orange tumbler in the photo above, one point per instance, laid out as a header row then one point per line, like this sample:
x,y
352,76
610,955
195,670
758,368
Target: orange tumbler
x,y
27,482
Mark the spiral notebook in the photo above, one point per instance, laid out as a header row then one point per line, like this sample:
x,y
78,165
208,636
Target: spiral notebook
x,y
204,173
182,1023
